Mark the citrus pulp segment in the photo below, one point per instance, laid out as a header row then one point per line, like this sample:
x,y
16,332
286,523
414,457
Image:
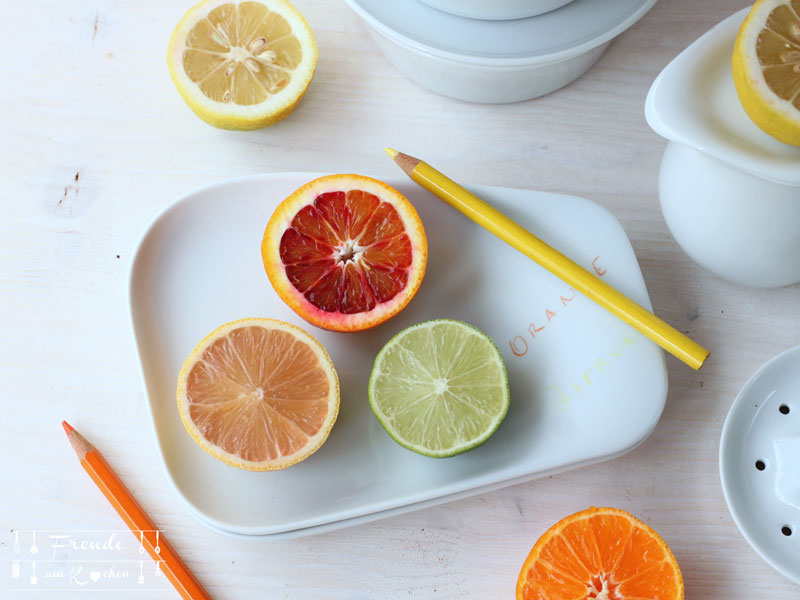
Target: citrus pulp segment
x,y
242,65
600,553
345,252
766,68
258,394
439,388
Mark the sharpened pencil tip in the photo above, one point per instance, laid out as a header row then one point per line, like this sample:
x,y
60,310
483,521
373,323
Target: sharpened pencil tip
x,y
391,152
67,427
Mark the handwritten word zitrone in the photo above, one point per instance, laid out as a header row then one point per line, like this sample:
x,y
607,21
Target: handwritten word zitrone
x,y
566,392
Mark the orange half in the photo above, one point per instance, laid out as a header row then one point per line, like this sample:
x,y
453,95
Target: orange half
x,y
602,554
345,252
258,394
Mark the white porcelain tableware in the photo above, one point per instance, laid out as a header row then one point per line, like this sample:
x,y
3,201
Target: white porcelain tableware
x,y
730,194
500,10
496,61
759,462
574,369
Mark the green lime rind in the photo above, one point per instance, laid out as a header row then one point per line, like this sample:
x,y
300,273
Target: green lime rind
x,y
439,388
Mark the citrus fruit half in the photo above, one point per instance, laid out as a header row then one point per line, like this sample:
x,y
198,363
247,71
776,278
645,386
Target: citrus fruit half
x,y
258,394
600,553
242,65
439,388
346,252
766,68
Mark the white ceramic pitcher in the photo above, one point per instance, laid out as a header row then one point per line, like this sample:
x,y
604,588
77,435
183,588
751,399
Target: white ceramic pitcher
x,y
730,194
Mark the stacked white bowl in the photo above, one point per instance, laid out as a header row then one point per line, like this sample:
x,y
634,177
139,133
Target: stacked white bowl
x,y
496,10
496,51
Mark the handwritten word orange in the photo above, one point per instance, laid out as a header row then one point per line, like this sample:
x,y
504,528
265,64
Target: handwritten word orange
x,y
519,343
599,270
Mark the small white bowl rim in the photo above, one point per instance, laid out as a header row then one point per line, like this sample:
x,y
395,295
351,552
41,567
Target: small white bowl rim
x,y
754,166
723,447
556,5
517,61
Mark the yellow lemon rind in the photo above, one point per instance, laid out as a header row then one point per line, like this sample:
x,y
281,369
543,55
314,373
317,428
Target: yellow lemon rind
x,y
773,115
228,115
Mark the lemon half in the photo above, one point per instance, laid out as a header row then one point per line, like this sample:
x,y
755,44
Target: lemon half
x,y
766,68
242,65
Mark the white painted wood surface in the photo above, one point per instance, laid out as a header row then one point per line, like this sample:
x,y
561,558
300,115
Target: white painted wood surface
x,y
95,141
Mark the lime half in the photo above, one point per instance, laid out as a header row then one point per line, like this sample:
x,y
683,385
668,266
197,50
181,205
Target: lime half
x,y
439,388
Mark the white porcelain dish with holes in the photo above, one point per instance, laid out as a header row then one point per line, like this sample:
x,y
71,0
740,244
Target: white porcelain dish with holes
x,y
759,462
495,61
730,193
496,10
573,368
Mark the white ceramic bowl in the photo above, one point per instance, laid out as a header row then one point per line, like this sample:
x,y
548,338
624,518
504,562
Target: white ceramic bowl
x,y
495,61
730,193
484,83
758,465
496,9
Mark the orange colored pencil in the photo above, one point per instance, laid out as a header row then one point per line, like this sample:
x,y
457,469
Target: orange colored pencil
x,y
135,518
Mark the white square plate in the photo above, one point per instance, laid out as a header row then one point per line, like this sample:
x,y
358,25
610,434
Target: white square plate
x,y
584,386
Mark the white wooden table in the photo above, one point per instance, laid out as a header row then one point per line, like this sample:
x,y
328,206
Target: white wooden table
x,y
95,141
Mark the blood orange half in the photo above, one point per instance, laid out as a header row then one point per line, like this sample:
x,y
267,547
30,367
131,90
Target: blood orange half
x,y
346,252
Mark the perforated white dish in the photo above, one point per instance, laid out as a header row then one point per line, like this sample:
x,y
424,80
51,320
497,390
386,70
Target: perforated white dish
x,y
574,369
759,462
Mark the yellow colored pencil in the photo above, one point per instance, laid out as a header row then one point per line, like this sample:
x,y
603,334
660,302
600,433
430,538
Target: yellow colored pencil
x,y
663,334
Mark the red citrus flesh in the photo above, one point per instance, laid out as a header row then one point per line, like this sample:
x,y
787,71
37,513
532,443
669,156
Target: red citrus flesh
x,y
347,258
